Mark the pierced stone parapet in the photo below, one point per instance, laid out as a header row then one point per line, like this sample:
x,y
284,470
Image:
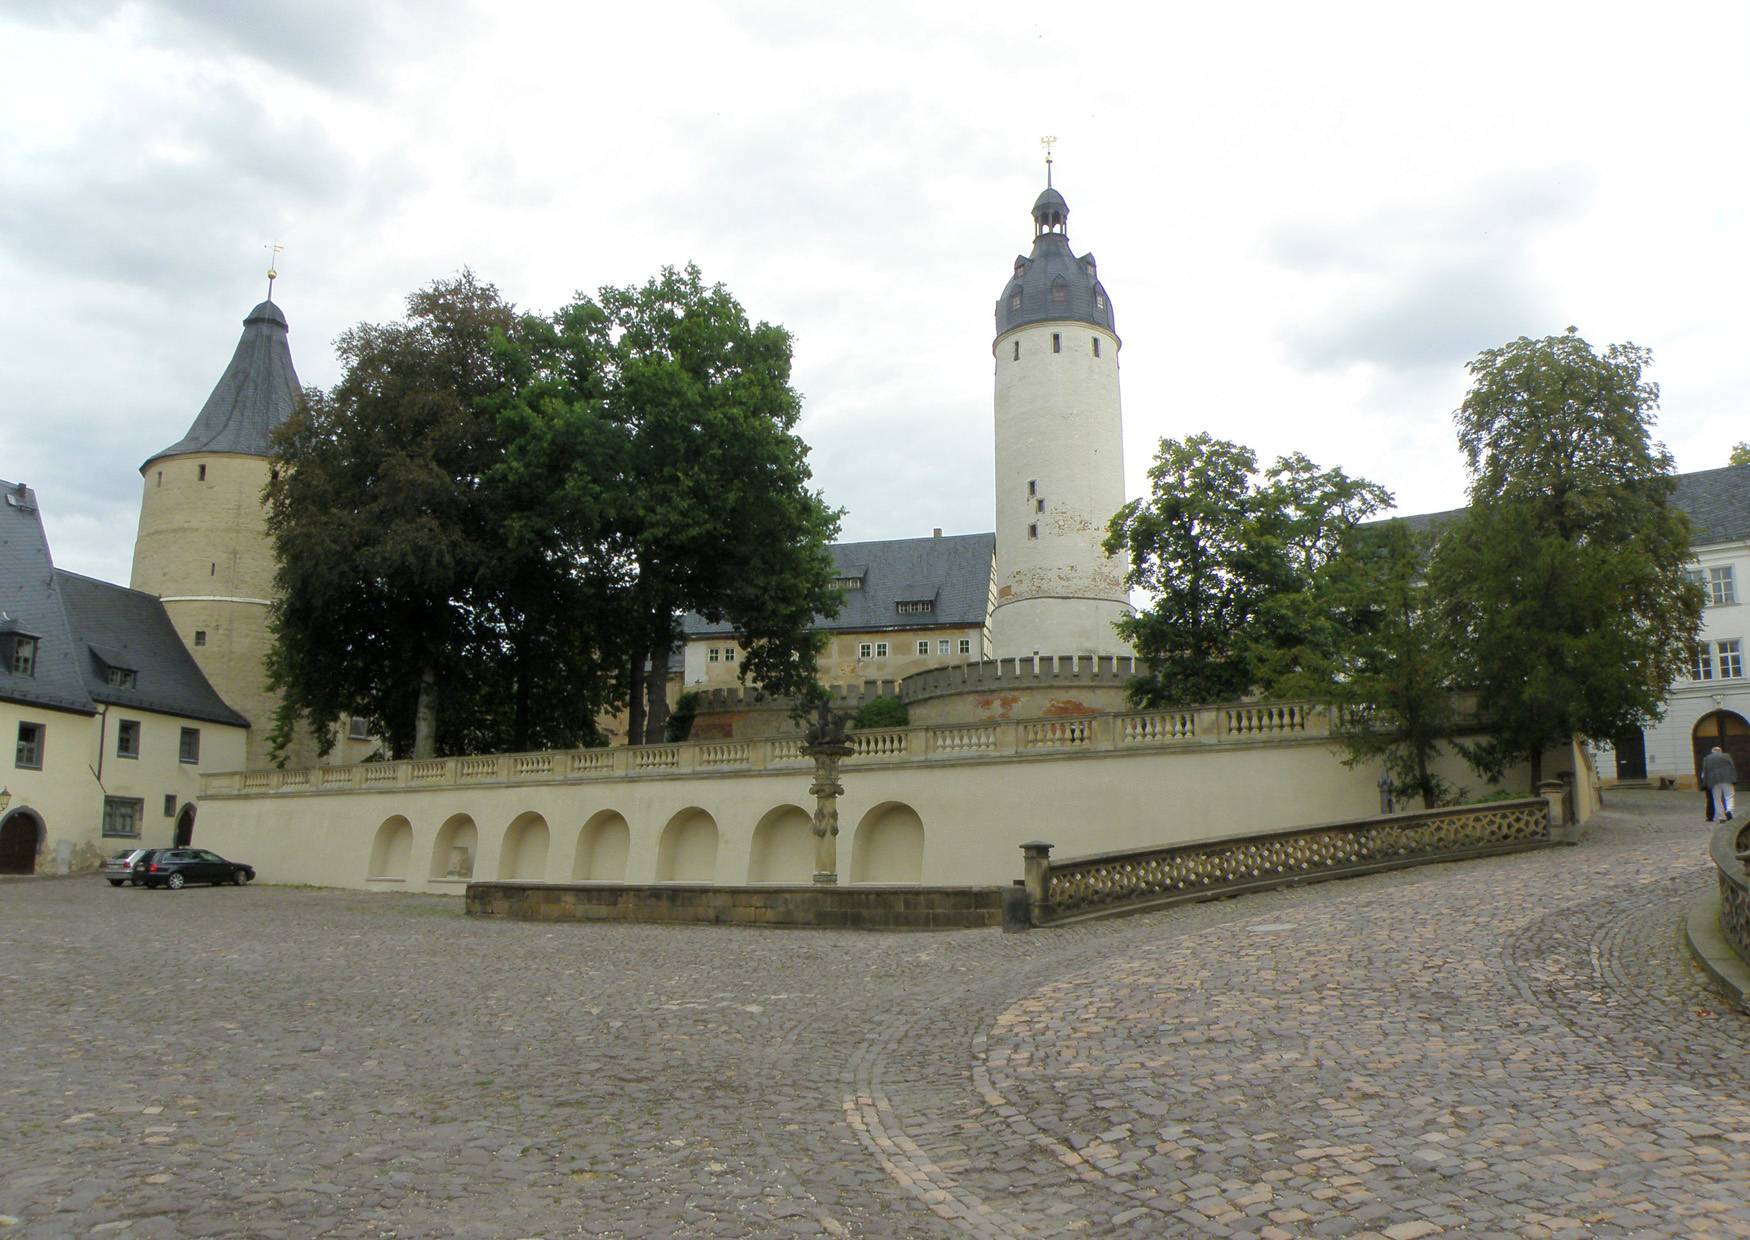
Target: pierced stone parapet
x,y
1728,846
1131,881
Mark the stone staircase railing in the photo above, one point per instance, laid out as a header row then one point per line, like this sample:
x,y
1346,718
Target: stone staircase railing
x,y
1111,884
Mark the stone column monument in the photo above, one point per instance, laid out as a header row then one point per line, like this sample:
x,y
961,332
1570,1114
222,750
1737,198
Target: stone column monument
x,y
827,744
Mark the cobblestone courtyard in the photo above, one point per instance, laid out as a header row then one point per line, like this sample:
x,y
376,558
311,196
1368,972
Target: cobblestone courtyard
x,y
1511,1047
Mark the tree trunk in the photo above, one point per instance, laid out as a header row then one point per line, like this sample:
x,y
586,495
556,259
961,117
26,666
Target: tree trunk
x,y
425,715
1423,780
635,700
656,691
1536,769
519,727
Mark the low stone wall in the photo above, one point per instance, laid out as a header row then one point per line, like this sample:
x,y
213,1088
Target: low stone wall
x,y
1728,840
1112,884
855,908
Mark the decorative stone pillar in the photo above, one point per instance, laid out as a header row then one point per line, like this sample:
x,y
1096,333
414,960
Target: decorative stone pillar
x,y
1036,877
827,743
1555,793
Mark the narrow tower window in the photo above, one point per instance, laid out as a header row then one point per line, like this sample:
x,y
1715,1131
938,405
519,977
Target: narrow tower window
x,y
1056,344
1096,340
1017,349
161,477
200,637
1032,531
212,568
1039,505
202,475
1032,486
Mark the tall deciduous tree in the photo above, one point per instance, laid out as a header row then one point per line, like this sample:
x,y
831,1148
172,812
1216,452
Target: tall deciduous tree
x,y
711,509
1229,559
1563,582
414,584
1740,453
1382,660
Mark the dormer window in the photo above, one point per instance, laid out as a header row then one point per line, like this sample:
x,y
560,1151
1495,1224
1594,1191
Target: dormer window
x,y
917,606
1015,298
1099,300
848,583
23,660
1059,292
119,677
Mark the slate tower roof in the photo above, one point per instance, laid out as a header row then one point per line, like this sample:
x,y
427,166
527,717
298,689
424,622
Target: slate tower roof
x,y
255,394
86,627
1052,283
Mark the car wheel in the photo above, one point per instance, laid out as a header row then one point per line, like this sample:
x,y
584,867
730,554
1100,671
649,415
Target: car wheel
x,y
115,882
175,881
239,877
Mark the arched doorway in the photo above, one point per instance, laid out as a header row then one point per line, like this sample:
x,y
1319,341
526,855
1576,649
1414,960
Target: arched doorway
x,y
185,827
21,834
1728,730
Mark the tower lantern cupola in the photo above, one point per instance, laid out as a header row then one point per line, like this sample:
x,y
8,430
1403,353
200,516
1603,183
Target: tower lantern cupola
x,y
1050,213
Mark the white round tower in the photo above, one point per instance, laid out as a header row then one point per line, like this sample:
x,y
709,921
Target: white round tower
x,y
1059,452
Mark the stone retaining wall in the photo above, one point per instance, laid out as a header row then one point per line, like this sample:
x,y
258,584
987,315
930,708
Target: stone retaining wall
x,y
857,908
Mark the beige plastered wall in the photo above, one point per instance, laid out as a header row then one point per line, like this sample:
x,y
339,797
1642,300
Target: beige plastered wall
x,y
975,814
81,767
842,662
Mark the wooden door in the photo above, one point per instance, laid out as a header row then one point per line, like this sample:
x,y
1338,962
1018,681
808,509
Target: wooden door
x,y
1631,756
1730,732
18,840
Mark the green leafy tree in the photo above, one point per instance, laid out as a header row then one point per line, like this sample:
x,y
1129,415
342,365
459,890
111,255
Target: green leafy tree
x,y
1740,453
1382,661
411,588
1563,583
1228,558
710,510
881,712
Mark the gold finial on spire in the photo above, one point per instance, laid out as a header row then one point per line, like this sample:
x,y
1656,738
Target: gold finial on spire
x,y
272,265
1048,141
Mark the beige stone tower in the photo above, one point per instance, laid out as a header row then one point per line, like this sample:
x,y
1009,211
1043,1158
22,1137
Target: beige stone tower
x,y
203,546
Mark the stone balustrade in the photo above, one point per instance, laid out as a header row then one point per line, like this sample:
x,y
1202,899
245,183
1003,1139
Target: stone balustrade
x,y
1729,840
1133,732
1125,882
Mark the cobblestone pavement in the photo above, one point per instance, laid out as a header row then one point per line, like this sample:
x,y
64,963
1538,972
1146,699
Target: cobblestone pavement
x,y
1511,1047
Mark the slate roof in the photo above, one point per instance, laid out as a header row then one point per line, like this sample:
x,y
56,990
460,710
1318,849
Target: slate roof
x,y
954,570
255,394
1053,263
1716,501
80,624
130,629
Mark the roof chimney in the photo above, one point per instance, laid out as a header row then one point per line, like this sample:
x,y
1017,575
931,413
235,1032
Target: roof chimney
x,y
936,533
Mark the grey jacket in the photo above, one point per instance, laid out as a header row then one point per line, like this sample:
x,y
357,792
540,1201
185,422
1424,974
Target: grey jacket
x,y
1717,768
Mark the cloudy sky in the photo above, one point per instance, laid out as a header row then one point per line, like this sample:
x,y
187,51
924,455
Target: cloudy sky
x,y
1309,217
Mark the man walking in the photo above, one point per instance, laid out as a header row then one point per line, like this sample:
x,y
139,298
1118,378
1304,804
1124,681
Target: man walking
x,y
1719,777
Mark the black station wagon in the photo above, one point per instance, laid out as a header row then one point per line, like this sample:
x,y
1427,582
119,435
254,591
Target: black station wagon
x,y
177,867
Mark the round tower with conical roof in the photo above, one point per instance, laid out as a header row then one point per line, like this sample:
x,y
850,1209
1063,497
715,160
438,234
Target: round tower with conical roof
x,y
203,545
1059,451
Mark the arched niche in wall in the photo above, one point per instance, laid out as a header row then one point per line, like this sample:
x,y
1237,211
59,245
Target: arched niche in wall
x,y
783,847
888,846
524,853
603,847
687,852
392,850
452,854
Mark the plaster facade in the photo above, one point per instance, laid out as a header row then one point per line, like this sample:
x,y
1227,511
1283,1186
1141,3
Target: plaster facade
x,y
1059,480
82,762
946,805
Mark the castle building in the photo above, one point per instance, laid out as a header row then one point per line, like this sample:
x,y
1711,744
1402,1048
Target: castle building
x,y
1059,451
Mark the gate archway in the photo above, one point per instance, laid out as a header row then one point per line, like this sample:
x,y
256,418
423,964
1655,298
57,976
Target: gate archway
x,y
185,827
1730,731
21,834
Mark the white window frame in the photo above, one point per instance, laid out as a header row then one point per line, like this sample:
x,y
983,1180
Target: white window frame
x,y
941,645
38,742
1701,663
186,753
924,646
965,645
121,734
24,656
865,650
1731,658
729,654
711,655
880,650
1722,585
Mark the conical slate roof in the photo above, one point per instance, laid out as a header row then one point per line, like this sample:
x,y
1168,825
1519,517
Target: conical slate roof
x,y
255,394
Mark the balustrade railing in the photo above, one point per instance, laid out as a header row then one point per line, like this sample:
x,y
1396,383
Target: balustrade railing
x,y
1111,883
1131,732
